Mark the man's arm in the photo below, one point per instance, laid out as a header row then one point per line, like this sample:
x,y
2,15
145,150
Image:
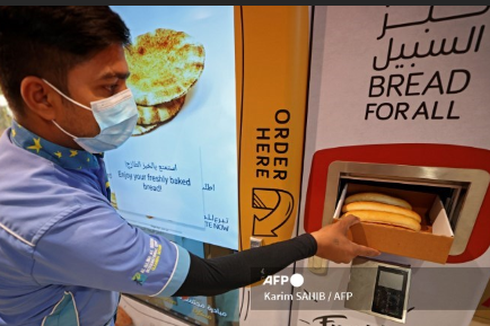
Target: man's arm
x,y
218,275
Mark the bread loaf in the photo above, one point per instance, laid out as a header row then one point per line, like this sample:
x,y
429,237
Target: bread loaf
x,y
386,218
375,206
379,198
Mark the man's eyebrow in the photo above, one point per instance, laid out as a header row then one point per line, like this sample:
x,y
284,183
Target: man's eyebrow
x,y
119,75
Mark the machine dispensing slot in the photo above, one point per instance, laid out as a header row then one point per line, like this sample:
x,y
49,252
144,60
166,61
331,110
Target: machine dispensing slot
x,y
452,194
461,190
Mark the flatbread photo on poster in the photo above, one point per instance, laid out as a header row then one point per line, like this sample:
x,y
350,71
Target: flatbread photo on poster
x,y
165,64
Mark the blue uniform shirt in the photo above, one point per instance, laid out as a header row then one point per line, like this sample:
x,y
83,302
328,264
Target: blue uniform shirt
x,y
65,252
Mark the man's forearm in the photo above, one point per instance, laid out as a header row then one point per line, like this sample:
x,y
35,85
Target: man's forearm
x,y
221,274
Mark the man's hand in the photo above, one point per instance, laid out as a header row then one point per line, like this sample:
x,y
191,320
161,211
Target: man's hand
x,y
334,245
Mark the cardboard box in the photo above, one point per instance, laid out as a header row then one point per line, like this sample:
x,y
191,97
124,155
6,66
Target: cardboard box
x,y
431,243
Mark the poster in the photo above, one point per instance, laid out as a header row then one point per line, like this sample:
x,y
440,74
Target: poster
x,y
404,74
178,171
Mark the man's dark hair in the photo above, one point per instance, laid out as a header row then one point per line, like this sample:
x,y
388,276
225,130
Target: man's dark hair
x,y
49,41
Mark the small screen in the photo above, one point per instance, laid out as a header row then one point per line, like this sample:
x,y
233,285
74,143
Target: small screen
x,y
390,292
391,280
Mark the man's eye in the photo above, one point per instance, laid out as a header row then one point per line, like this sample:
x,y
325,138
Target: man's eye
x,y
111,88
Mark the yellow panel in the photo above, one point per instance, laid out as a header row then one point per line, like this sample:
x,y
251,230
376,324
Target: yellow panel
x,y
272,53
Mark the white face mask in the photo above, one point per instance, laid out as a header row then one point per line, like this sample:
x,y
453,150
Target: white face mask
x,y
116,116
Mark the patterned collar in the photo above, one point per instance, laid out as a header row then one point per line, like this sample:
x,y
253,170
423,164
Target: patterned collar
x,y
65,157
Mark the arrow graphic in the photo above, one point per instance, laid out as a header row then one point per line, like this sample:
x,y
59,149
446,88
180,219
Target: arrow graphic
x,y
272,207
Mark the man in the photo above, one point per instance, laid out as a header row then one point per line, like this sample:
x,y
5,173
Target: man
x,y
66,254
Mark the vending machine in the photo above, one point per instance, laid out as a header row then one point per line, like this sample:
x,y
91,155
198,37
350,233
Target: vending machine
x,y
398,106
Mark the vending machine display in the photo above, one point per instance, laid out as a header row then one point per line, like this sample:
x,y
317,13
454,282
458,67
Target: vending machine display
x,y
178,171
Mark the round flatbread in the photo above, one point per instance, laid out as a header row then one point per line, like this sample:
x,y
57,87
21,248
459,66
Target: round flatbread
x,y
151,115
164,65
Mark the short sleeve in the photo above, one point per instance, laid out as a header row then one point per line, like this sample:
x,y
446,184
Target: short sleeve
x,y
94,247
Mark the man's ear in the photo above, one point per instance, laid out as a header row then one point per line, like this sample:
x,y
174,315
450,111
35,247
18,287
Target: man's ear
x,y
39,97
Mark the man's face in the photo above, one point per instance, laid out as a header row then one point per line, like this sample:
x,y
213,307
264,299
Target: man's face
x,y
100,77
